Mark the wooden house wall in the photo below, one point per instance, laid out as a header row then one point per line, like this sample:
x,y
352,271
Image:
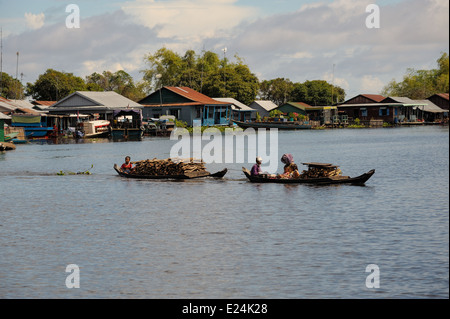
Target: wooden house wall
x,y
167,97
372,113
439,101
262,111
359,100
185,113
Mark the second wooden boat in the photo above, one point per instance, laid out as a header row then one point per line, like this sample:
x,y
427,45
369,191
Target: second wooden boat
x,y
359,180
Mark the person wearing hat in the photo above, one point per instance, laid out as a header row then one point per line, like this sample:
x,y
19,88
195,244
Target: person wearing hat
x,y
256,169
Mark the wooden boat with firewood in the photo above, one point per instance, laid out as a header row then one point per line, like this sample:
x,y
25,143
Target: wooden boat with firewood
x,y
191,175
317,174
168,169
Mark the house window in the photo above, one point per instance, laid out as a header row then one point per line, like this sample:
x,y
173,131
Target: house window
x,y
384,111
199,112
363,112
175,112
156,113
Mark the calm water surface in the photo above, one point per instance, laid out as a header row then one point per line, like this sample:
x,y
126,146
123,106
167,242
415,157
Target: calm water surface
x,y
229,238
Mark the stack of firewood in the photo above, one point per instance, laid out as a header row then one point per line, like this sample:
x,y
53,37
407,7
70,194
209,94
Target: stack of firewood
x,y
318,172
167,167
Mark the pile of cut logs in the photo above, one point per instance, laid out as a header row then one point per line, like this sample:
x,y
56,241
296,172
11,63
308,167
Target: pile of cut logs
x,y
317,172
168,167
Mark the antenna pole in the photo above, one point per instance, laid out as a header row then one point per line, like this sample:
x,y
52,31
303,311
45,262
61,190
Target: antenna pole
x,y
17,75
1,61
332,87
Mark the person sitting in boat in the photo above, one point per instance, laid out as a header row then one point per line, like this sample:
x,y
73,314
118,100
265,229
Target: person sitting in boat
x,y
127,167
295,173
256,169
289,168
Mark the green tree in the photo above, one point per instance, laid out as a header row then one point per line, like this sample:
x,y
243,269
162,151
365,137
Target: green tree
x,y
278,90
317,92
442,74
165,68
54,85
420,84
206,73
11,88
119,81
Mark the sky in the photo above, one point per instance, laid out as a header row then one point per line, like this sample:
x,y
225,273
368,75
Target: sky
x,y
296,39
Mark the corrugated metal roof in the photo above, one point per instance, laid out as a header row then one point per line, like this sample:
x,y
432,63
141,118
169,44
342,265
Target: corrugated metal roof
x,y
374,97
267,105
403,100
4,116
430,107
44,103
16,105
193,95
108,99
235,104
443,95
305,106
22,103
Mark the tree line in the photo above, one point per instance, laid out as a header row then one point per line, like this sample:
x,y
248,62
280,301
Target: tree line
x,y
214,76
207,73
421,84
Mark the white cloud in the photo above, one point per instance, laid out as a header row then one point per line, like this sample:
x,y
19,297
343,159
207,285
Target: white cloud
x,y
371,84
188,20
300,45
298,55
341,82
102,43
334,32
35,21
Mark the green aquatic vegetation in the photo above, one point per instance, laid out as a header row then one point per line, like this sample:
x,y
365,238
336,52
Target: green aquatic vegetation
x,y
356,126
64,173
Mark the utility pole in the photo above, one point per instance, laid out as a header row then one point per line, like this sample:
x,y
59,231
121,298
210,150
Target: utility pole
x,y
17,75
203,65
1,61
332,87
224,64
21,81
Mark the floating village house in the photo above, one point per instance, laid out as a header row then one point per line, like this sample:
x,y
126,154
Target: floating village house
x,y
364,107
407,110
430,112
371,107
321,114
19,116
240,111
16,106
186,105
92,105
263,107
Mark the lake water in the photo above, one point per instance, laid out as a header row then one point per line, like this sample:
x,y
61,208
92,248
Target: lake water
x,y
229,238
